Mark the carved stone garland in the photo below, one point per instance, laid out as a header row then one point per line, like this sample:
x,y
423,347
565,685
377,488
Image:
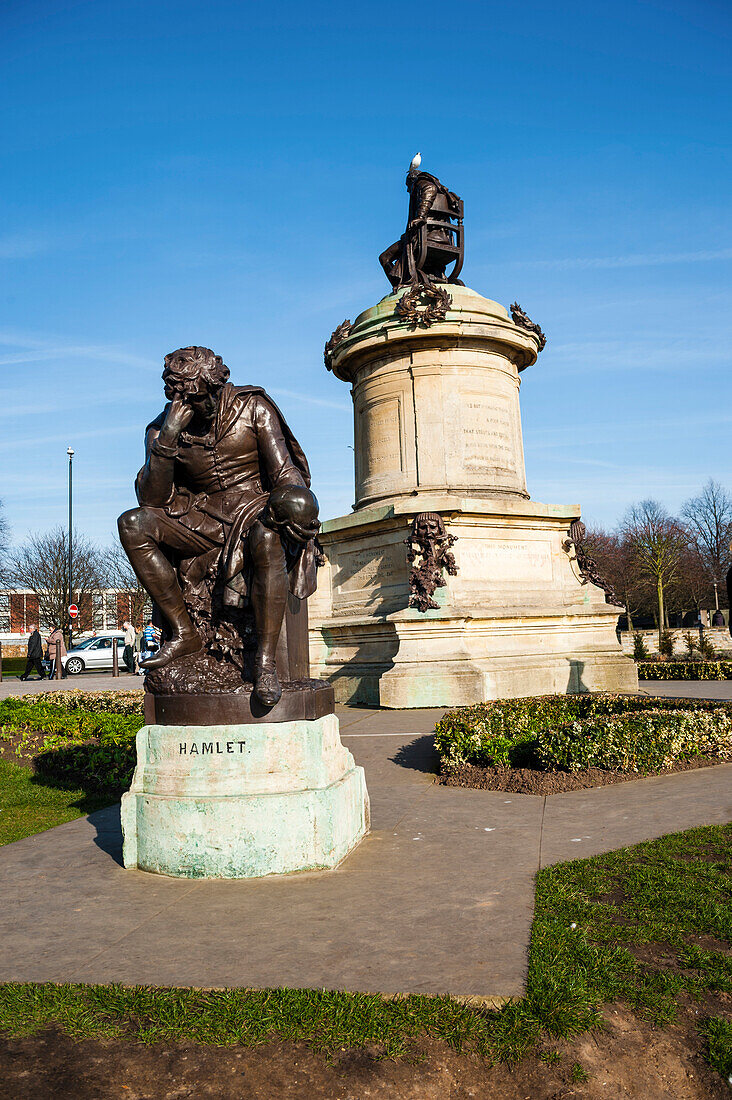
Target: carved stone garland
x,y
428,539
524,321
423,305
337,337
586,567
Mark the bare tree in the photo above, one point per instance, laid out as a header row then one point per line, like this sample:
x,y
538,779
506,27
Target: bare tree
x,y
657,542
42,566
691,589
121,575
615,561
709,521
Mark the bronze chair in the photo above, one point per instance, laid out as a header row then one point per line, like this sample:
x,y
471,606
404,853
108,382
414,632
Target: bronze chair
x,y
439,241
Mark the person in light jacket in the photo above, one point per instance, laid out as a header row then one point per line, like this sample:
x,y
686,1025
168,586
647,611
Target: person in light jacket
x,y
56,635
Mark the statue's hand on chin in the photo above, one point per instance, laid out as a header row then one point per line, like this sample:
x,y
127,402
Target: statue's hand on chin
x,y
177,419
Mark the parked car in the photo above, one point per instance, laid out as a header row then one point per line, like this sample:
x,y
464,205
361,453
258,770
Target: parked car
x,y
95,654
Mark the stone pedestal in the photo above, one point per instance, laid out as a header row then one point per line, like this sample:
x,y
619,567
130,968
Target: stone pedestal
x,y
437,429
242,801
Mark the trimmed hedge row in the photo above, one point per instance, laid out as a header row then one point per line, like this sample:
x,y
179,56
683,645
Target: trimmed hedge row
x,y
625,732
684,670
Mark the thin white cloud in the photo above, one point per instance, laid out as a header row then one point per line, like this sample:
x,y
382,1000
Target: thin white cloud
x,y
32,349
310,400
640,259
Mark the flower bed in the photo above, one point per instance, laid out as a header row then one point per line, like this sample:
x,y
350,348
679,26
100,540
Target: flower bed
x,y
76,744
684,670
571,733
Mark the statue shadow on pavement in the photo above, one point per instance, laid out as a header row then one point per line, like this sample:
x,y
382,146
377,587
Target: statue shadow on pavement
x,y
419,755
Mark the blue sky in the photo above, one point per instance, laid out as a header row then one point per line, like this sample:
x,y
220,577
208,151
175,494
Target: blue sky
x,y
227,173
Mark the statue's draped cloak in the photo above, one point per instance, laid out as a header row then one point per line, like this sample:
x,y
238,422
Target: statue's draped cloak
x,y
224,517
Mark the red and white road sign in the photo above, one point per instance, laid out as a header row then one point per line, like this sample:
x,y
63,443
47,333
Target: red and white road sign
x,y
73,610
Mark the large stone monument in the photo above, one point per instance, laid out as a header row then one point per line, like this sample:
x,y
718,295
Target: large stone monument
x,y
240,769
447,585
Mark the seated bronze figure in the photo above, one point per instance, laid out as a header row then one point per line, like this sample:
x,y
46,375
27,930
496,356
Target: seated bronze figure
x,y
433,238
226,520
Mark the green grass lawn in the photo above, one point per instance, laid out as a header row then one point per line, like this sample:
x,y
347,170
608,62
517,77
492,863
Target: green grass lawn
x,y
649,927
624,928
28,806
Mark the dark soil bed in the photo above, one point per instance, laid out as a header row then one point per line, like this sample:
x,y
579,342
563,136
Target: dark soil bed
x,y
534,781
629,1058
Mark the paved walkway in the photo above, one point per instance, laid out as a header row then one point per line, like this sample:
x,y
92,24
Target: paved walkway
x,y
438,898
92,681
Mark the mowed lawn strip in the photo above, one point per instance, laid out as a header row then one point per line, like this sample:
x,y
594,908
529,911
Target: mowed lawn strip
x,y
649,926
27,806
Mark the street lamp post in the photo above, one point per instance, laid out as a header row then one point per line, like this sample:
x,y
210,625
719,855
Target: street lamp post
x,y
70,453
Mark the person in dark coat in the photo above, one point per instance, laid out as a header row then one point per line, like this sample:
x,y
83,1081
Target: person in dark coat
x,y
35,655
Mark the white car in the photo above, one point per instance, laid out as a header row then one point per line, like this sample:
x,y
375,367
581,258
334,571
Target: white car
x,y
95,654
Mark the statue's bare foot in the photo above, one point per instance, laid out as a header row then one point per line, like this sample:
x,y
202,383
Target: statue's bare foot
x,y
266,684
179,646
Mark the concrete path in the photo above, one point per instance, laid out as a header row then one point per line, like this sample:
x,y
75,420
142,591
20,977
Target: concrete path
x,y
688,689
439,898
92,681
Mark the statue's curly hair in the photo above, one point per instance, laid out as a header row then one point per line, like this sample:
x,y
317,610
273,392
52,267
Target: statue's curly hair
x,y
185,366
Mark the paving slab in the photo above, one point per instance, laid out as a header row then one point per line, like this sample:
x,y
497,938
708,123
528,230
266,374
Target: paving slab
x,y
438,898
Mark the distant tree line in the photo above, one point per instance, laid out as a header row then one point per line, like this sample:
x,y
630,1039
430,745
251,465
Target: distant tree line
x,y
662,565
41,566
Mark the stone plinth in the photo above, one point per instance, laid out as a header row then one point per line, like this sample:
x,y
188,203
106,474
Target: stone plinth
x,y
438,429
436,409
242,801
516,620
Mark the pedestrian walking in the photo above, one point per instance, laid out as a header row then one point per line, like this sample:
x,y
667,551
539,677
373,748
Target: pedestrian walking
x,y
128,653
35,655
150,641
56,635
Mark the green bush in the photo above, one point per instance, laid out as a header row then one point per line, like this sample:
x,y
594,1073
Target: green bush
x,y
638,742
685,670
640,649
569,731
666,644
96,702
691,645
93,750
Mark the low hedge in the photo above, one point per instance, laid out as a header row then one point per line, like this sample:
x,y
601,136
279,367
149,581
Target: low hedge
x,y
625,732
95,702
91,749
684,670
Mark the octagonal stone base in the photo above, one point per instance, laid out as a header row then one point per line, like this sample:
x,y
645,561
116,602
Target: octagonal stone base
x,y
243,801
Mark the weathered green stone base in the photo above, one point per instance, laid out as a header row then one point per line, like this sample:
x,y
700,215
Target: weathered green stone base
x,y
243,801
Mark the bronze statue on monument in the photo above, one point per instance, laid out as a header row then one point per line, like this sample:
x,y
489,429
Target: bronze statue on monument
x,y
224,540
433,238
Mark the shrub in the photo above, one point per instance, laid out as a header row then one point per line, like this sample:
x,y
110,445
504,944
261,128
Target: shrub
x,y
690,644
685,670
640,649
569,730
666,644
638,742
707,651
94,750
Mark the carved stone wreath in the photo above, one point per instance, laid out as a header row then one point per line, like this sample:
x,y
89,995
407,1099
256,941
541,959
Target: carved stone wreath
x,y
337,337
523,320
422,305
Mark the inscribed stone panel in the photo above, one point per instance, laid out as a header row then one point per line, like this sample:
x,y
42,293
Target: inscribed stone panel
x,y
368,567
381,447
489,433
508,562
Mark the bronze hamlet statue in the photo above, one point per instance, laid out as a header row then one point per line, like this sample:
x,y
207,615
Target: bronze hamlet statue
x,y
226,524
